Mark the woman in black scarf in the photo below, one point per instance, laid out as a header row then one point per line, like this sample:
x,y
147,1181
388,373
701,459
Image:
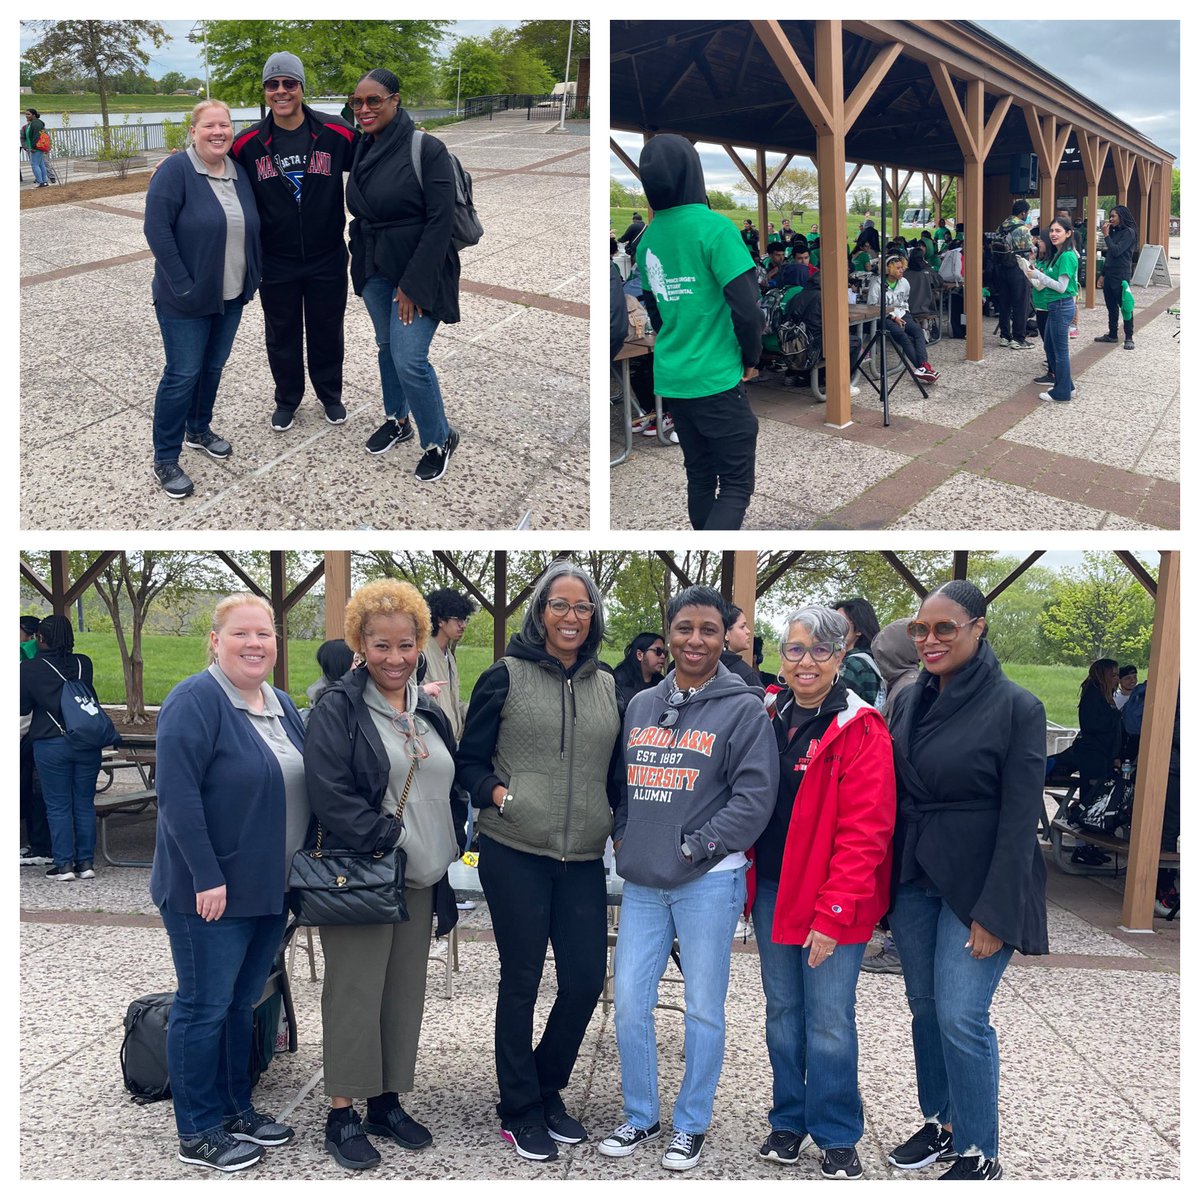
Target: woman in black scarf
x,y
404,264
968,879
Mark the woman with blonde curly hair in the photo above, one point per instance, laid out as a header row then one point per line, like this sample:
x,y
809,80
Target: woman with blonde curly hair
x,y
379,761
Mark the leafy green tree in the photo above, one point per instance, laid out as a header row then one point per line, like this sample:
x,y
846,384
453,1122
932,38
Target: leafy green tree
x,y
861,201
337,54
1098,610
99,48
27,74
482,68
194,84
524,72
548,40
1174,191
172,81
721,201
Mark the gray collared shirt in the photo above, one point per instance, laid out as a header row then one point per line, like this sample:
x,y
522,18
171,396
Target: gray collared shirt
x,y
225,190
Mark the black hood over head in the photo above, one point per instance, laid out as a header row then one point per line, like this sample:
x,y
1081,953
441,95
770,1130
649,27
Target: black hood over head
x,y
671,172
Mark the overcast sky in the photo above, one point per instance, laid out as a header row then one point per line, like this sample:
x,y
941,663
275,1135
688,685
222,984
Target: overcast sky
x,y
1130,68
180,55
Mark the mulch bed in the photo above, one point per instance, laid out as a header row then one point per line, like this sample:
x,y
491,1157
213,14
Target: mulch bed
x,y
85,189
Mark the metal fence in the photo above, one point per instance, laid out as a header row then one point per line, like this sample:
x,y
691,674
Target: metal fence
x,y
544,106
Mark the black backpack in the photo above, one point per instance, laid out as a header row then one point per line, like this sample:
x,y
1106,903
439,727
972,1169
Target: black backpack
x,y
468,228
1004,253
85,725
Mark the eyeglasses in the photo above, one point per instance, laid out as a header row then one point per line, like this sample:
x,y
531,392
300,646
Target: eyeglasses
x,y
819,652
670,715
371,102
288,85
945,631
412,728
559,607
656,650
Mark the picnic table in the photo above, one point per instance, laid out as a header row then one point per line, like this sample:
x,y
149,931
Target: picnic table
x,y
136,752
635,348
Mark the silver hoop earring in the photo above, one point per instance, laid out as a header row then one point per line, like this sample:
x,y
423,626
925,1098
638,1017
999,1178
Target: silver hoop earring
x,y
779,678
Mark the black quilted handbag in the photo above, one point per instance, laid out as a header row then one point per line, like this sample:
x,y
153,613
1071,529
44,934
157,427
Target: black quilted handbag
x,y
340,887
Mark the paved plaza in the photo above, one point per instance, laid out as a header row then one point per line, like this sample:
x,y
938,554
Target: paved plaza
x,y
982,452
514,374
1089,1051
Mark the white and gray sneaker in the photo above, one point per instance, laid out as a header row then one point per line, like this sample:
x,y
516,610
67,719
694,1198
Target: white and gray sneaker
x,y
684,1151
626,1138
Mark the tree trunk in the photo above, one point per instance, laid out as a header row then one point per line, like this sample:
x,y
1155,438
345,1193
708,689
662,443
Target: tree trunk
x,y
135,692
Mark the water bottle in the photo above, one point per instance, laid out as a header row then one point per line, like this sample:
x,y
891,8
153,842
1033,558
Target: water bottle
x,y
1127,770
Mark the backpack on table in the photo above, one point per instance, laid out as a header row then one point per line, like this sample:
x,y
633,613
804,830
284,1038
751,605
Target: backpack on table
x,y
468,228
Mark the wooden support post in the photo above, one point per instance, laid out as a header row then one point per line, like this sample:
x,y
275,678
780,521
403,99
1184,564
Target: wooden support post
x,y
1145,184
1093,150
337,592
500,605
278,595
1160,204
760,171
1154,751
1123,169
59,581
895,191
745,577
962,560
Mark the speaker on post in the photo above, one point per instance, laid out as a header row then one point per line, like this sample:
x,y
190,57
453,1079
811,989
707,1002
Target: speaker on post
x,y
1023,174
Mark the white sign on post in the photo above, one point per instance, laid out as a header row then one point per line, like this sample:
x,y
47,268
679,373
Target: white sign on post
x,y
1151,268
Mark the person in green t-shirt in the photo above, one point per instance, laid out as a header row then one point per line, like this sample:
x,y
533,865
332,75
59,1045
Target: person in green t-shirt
x,y
1040,298
1059,281
702,297
941,233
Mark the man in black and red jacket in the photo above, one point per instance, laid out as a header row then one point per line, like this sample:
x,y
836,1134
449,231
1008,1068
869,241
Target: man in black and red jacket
x,y
295,158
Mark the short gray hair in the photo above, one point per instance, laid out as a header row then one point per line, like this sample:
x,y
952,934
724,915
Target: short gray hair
x,y
824,623
533,627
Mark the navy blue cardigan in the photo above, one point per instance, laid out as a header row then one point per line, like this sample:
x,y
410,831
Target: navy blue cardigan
x,y
185,227
221,805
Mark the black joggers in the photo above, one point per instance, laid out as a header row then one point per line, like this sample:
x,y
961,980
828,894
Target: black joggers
x,y
1012,299
536,901
718,435
313,309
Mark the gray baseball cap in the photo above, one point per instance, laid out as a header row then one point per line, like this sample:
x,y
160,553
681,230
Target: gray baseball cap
x,y
283,64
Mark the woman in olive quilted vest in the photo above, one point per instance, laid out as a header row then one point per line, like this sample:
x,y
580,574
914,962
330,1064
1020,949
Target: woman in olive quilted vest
x,y
537,757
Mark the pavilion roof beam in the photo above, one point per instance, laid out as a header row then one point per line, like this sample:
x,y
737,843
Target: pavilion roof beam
x,y
630,165
249,583
661,34
671,84
668,558
1134,566
1013,576
872,77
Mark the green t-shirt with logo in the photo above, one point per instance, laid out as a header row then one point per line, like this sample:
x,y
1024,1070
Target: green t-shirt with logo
x,y
1067,263
1041,297
686,257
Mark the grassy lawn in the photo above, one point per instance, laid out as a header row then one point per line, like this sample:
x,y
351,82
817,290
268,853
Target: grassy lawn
x,y
90,102
169,659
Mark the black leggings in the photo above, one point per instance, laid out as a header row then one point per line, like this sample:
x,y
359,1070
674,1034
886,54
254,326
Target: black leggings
x,y
1112,301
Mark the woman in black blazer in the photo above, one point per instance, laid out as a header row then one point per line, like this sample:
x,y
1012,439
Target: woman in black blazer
x,y
968,877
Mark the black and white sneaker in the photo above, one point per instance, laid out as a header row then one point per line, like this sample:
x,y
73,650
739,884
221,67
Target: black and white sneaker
x,y
840,1162
530,1141
1129,344
974,1166
173,479
260,1129
83,870
565,1129
64,873
211,443
626,1138
220,1151
390,433
684,1151
435,460
930,1144
282,419
784,1146
335,414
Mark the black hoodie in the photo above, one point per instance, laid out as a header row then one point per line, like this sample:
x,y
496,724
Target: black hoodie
x,y
672,175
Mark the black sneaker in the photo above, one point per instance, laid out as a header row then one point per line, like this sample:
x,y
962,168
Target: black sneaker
x,y
565,1129
530,1141
347,1141
784,1146
390,433
930,1144
220,1151
973,1166
434,461
64,873
396,1124
1128,346
335,414
1046,378
1106,337
260,1129
282,418
840,1162
83,870
212,444
884,962
173,479
1021,345
626,1138
684,1151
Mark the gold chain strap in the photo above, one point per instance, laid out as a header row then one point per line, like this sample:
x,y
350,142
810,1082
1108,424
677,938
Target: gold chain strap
x,y
412,768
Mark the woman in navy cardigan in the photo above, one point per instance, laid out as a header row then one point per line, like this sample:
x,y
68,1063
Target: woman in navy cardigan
x,y
202,225
232,809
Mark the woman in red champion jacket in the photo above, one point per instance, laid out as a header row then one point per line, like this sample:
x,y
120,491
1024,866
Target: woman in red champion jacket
x,y
821,873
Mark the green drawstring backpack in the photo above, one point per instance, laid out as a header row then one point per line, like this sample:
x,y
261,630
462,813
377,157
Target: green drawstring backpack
x,y
1126,300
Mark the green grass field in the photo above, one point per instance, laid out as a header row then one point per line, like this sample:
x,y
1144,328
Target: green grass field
x,y
90,102
169,659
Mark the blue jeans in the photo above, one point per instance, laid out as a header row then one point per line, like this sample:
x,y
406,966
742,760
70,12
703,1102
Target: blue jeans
x,y
197,349
69,788
1059,315
950,995
410,384
812,1040
703,915
37,160
222,967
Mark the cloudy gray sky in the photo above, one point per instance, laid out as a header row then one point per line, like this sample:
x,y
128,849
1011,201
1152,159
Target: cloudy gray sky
x,y
180,55
1129,67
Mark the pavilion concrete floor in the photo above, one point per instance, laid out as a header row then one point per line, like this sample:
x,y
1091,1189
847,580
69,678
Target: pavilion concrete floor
x,y
514,374
1089,1053
982,452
